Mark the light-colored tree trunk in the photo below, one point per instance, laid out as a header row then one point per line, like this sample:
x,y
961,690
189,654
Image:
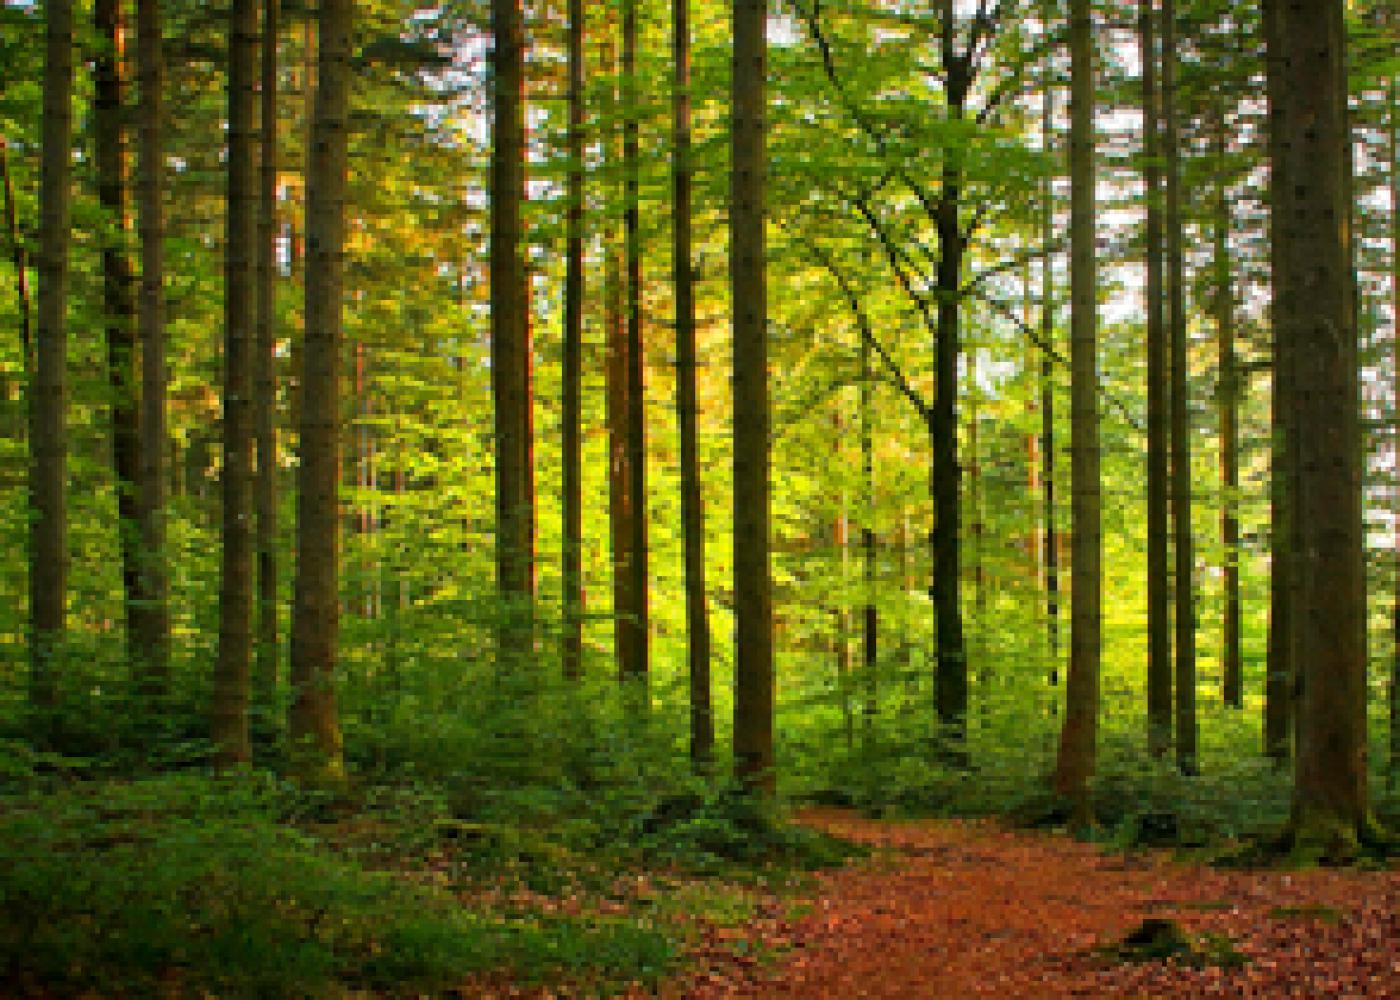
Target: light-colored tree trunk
x,y
753,584
314,726
1079,737
702,725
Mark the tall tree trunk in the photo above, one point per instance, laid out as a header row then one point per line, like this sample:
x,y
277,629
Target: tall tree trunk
x,y
1159,643
620,510
951,689
1079,737
1186,753
702,723
314,727
265,383
509,349
153,617
871,614
753,585
1278,685
842,612
1232,680
20,259
1047,400
635,622
118,293
1330,808
48,441
230,707
572,555
1393,771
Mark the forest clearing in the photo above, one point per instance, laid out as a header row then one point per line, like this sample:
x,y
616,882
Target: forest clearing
x,y
809,498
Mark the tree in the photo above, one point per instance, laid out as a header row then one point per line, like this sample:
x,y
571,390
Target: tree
x,y
48,538
753,585
702,725
572,568
265,376
1078,738
230,708
1159,646
1227,401
1185,678
1316,320
314,727
118,298
509,361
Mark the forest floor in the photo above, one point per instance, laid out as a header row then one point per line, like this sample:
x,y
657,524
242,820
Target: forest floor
x,y
971,909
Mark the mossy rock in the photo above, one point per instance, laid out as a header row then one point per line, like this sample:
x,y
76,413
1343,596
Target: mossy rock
x,y
1158,939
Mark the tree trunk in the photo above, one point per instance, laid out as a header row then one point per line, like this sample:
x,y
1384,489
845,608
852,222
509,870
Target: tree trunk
x,y
753,587
1330,808
230,705
1232,680
1079,737
702,725
1393,771
1047,403
118,293
871,615
572,459
620,510
1159,643
21,264
315,729
1278,686
635,622
265,385
48,442
153,617
509,350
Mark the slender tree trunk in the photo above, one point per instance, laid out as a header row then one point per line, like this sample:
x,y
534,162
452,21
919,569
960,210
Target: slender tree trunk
x,y
1278,687
153,618
1186,753
118,293
1079,737
1330,809
572,561
702,724
20,260
1232,680
1047,401
1393,771
265,382
230,707
842,612
1159,643
871,615
620,510
314,726
753,586
48,442
509,322
635,622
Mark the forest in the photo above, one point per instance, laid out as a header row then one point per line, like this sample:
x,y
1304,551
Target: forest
x,y
816,498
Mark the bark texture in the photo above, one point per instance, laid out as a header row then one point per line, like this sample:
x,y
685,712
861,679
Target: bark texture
x,y
1227,403
572,459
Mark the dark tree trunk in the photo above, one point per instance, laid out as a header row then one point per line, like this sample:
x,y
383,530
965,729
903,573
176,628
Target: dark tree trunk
x,y
314,726
702,725
871,614
1232,680
231,672
1159,643
1079,737
753,587
48,441
572,562
153,616
20,259
1330,810
1047,403
265,386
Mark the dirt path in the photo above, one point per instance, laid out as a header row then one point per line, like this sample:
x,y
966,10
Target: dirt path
x,y
962,910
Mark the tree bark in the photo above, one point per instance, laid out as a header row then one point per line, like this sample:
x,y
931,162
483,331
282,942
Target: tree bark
x,y
231,691
1330,808
48,442
509,350
572,555
1047,401
1079,737
1232,679
314,727
1393,771
1159,643
702,725
635,620
871,615
265,382
20,259
753,587
153,617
